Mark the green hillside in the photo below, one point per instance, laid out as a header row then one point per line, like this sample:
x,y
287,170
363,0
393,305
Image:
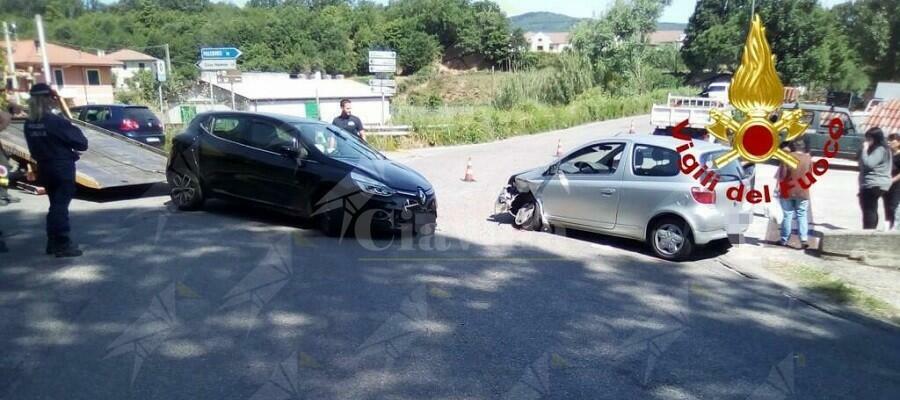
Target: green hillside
x,y
543,21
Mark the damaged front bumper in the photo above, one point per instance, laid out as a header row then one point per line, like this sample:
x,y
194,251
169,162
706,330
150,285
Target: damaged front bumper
x,y
503,204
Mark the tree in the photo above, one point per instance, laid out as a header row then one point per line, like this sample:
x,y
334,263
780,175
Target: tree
x,y
808,48
617,45
873,29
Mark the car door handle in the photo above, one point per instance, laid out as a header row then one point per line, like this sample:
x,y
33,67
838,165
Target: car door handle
x,y
607,192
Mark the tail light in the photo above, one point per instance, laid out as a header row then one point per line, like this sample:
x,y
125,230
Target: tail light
x,y
703,196
129,125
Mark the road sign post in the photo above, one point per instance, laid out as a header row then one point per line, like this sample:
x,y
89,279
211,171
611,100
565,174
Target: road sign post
x,y
383,64
220,59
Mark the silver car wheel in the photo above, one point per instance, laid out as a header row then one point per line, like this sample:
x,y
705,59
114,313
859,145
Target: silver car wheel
x,y
669,239
183,191
524,214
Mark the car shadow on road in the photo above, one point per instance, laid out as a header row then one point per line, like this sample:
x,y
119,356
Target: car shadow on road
x,y
230,304
709,251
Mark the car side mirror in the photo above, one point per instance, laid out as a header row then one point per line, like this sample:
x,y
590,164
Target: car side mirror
x,y
553,170
749,170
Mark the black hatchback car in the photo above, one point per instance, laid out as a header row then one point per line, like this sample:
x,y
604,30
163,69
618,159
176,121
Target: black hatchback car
x,y
135,122
302,167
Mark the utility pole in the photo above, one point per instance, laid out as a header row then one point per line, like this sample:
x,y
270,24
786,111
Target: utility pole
x,y
168,60
9,57
39,23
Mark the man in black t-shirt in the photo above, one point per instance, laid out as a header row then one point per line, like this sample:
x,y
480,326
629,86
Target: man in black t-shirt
x,y
348,121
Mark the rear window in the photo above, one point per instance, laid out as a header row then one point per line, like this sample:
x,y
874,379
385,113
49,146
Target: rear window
x,y
139,113
729,173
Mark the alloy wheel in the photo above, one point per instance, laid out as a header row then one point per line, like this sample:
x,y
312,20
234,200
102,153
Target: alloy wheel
x,y
183,191
669,239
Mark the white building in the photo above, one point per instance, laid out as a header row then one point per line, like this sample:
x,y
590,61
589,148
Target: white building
x,y
132,62
667,38
550,42
317,99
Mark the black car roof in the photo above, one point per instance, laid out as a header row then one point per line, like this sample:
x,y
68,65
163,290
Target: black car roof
x,y
113,105
280,117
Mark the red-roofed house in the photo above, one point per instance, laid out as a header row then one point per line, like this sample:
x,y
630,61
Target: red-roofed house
x,y
660,38
81,77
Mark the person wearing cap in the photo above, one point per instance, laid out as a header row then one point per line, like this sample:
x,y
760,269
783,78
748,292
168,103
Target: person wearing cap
x,y
54,144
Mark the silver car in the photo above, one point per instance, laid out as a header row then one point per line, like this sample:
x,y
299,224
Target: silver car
x,y
632,187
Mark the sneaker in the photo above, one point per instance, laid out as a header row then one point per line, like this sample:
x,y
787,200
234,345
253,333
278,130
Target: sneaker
x,y
783,243
804,245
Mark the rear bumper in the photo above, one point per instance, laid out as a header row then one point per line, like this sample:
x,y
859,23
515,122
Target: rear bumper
x,y
709,224
155,140
702,238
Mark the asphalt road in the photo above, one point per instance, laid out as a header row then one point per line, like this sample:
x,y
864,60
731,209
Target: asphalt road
x,y
240,303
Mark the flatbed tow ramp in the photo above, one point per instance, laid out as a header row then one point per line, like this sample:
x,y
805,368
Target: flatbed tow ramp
x,y
112,160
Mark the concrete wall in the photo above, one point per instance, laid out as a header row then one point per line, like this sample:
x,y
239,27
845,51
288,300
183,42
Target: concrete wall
x,y
869,242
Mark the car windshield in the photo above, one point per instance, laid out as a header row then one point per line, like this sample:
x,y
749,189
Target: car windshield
x,y
729,173
716,89
336,143
139,113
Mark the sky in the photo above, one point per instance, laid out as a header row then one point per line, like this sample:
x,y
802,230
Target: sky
x,y
679,11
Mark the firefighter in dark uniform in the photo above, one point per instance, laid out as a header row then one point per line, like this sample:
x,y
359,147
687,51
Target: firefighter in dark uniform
x,y
54,144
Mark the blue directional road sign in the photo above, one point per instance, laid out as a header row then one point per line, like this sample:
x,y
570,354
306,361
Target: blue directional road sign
x,y
219,53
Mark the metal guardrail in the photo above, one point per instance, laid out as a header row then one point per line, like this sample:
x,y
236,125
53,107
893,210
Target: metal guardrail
x,y
388,130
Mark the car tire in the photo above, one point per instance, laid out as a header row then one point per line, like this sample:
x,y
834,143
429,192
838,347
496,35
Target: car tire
x,y
671,239
185,191
528,216
331,223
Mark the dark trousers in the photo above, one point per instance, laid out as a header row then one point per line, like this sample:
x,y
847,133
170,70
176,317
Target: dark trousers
x,y
891,200
58,179
868,202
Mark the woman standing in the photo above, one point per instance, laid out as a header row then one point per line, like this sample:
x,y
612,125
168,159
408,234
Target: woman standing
x,y
874,175
53,143
796,201
892,199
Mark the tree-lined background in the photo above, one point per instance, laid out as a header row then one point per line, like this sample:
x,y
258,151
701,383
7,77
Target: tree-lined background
x,y
465,66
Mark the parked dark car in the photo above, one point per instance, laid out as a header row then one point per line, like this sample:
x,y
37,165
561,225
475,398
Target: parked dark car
x,y
819,118
135,122
301,167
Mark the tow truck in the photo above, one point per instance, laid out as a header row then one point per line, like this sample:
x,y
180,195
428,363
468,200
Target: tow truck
x,y
111,161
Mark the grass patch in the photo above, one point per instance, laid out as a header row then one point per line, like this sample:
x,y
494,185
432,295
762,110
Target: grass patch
x,y
451,125
836,290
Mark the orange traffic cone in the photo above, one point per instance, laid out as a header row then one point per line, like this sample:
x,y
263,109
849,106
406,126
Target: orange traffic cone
x,y
631,129
559,148
470,176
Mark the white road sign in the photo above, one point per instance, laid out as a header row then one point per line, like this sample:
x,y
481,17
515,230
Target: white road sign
x,y
388,91
392,62
382,82
217,65
382,68
161,75
382,54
